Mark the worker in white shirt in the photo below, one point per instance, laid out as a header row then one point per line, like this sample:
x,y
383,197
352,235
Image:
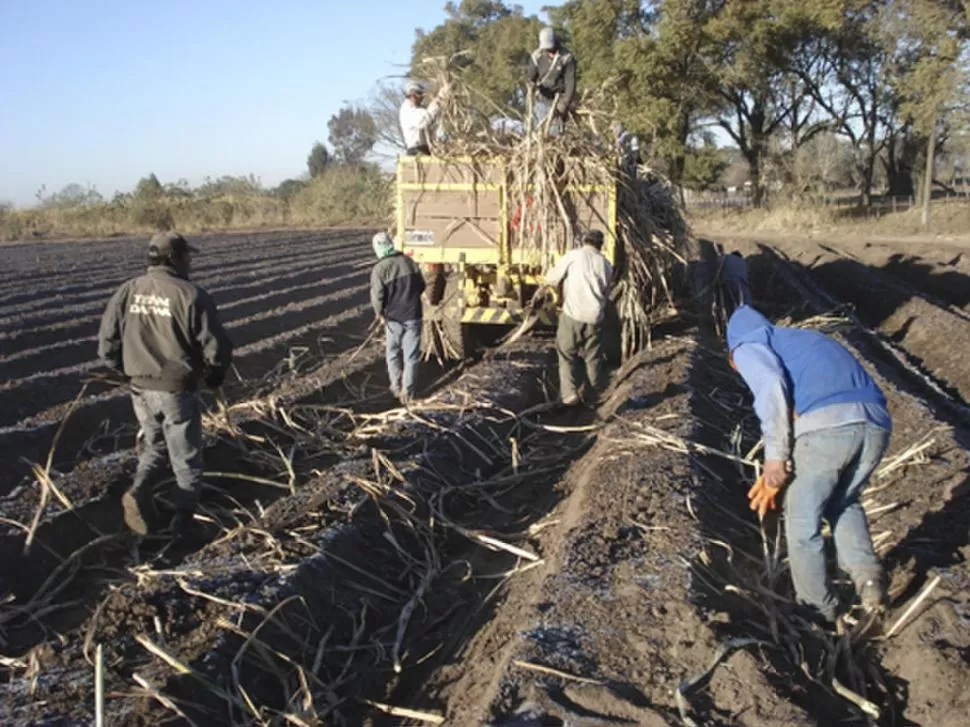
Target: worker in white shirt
x,y
416,119
586,276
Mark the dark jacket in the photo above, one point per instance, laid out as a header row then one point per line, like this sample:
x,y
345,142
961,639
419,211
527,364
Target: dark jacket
x,y
396,285
164,334
553,75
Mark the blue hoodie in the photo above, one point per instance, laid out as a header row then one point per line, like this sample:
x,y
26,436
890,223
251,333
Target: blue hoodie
x,y
806,369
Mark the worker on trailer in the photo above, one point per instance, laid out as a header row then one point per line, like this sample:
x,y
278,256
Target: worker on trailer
x,y
163,333
627,146
396,286
825,427
586,275
551,72
416,119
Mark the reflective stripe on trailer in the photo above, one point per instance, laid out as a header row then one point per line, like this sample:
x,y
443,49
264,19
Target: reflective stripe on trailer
x,y
503,316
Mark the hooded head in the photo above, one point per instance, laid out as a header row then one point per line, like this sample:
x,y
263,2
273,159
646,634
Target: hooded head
x,y
383,245
547,39
746,325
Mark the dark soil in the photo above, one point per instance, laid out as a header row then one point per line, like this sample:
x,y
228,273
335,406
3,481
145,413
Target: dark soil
x,y
305,603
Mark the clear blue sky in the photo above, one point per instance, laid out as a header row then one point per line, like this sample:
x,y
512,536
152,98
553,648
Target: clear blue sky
x,y
106,91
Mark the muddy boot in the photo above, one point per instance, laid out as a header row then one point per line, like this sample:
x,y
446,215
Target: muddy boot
x,y
139,510
570,401
872,595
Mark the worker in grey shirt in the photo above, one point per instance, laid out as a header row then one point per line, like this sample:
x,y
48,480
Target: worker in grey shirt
x,y
585,275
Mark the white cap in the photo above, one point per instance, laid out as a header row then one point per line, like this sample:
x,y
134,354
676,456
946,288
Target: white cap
x,y
547,39
413,87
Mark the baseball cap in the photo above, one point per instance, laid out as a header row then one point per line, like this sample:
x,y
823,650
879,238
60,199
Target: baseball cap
x,y
168,245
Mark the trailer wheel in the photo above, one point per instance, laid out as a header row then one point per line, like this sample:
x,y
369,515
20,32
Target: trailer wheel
x,y
444,337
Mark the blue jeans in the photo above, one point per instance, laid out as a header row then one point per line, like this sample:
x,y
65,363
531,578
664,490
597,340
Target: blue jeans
x,y
542,109
832,467
170,421
403,355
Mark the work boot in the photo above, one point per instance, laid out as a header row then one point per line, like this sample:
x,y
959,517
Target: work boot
x,y
872,595
139,510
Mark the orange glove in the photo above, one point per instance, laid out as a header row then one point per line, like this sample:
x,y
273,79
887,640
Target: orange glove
x,y
762,497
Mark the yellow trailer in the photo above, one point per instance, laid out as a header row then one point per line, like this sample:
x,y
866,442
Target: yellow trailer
x,y
476,236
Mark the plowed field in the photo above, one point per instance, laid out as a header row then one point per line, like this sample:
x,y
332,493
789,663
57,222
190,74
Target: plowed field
x,y
482,558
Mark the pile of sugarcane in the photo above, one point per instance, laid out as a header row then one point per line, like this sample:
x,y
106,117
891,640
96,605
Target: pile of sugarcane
x,y
548,169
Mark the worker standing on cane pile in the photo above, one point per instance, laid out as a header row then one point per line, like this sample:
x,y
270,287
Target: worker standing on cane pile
x,y
396,286
586,275
551,72
163,333
825,426
416,119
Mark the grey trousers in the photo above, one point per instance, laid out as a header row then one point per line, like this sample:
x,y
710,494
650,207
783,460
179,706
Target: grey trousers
x,y
403,354
581,359
170,421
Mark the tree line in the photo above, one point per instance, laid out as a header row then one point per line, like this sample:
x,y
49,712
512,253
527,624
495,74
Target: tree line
x,y
887,77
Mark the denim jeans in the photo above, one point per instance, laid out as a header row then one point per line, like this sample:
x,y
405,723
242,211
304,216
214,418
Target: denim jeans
x,y
403,355
542,109
580,349
170,421
832,467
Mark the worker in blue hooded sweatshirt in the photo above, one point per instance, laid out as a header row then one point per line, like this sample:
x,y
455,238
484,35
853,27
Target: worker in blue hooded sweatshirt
x,y
825,427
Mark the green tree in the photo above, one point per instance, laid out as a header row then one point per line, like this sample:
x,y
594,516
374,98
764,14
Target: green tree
x,y
229,186
317,160
353,134
704,165
288,188
489,42
149,188
73,195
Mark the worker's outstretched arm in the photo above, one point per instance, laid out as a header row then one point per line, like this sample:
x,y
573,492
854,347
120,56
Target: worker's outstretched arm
x,y
558,271
763,373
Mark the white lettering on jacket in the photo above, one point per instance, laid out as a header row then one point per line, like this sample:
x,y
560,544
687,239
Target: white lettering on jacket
x,y
150,305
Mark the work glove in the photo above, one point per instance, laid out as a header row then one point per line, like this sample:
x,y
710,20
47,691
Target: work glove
x,y
761,497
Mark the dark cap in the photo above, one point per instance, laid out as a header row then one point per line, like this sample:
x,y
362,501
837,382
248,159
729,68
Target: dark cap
x,y
169,245
594,238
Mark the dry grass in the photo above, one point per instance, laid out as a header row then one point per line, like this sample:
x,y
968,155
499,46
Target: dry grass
x,y
947,217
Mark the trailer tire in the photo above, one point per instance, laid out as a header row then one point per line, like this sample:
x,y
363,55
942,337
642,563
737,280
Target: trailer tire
x,y
444,336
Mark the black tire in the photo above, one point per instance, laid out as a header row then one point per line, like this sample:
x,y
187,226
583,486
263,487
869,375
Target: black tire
x,y
444,336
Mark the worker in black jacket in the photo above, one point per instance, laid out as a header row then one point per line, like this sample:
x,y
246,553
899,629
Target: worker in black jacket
x,y
163,333
396,286
552,73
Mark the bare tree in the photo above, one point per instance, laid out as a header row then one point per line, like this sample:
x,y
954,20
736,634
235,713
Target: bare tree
x,y
384,105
